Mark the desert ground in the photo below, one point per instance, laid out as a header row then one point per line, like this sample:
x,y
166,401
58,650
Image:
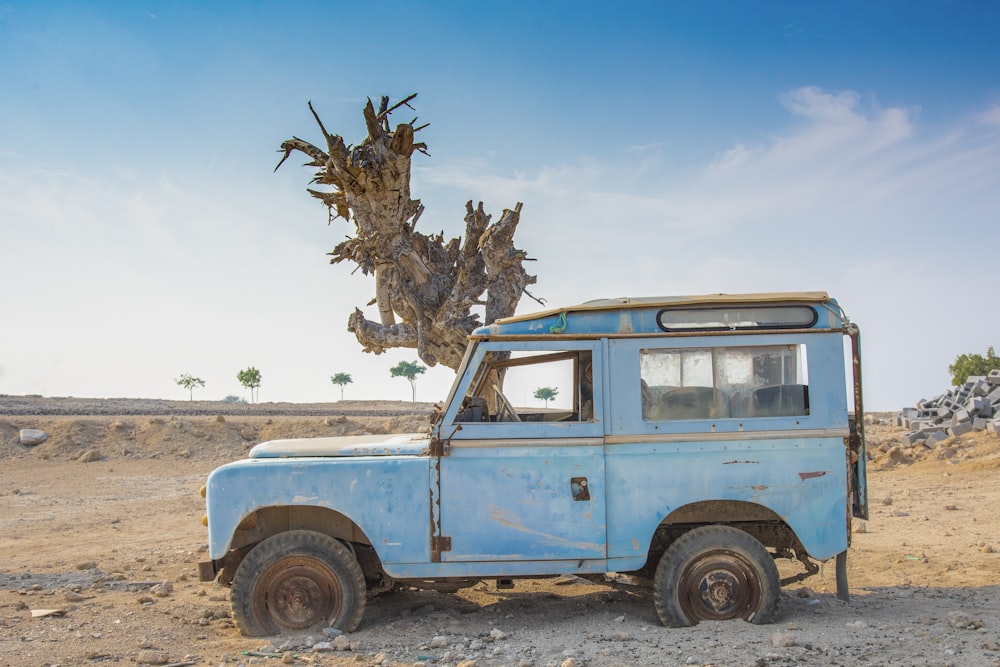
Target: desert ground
x,y
101,533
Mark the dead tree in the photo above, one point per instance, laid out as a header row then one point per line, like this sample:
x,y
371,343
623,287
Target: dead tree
x,y
425,288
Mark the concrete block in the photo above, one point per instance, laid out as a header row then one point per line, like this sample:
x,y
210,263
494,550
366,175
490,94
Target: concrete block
x,y
993,426
978,424
952,404
977,406
960,428
981,388
960,417
934,438
943,412
994,376
913,437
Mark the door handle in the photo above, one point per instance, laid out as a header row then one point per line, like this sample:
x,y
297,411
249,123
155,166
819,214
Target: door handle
x,y
578,487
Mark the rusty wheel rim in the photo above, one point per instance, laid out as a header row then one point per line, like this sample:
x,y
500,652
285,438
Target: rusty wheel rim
x,y
718,586
296,594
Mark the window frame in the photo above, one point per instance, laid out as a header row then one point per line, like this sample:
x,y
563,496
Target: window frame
x,y
526,429
656,398
825,372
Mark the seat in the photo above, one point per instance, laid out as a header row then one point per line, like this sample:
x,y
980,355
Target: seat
x,y
690,403
780,400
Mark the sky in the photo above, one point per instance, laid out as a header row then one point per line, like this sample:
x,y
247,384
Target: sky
x,y
659,148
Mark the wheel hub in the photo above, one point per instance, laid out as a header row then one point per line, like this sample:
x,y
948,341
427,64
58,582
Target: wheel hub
x,y
720,586
719,590
301,595
298,599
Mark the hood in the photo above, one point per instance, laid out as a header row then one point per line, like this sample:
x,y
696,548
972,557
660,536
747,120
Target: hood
x,y
408,444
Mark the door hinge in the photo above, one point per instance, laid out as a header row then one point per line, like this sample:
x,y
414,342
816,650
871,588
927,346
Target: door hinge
x,y
441,447
439,543
437,447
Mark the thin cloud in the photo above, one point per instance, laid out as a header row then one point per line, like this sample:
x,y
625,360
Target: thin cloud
x,y
989,117
815,103
845,164
840,147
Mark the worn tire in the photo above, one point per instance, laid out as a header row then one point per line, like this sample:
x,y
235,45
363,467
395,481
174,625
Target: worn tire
x,y
715,573
298,581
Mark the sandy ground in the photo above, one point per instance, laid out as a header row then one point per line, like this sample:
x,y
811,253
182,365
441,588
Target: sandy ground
x,y
110,547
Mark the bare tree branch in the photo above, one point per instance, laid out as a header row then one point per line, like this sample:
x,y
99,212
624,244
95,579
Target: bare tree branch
x,y
425,287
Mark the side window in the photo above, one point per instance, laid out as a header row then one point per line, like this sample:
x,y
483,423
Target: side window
x,y
505,385
724,382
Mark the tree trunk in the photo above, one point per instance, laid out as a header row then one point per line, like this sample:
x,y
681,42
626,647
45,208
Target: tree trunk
x,y
425,288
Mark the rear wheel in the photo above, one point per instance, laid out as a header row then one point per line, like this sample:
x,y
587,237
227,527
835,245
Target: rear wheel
x,y
715,573
298,581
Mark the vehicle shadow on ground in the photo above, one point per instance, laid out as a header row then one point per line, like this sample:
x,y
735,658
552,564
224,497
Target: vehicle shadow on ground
x,y
533,599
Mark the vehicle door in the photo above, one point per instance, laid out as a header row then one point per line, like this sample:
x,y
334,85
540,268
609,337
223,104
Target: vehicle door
x,y
523,477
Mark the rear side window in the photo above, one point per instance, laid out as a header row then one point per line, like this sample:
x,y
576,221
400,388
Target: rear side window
x,y
736,318
723,382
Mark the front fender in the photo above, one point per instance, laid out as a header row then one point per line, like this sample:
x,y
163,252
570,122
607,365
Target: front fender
x,y
386,497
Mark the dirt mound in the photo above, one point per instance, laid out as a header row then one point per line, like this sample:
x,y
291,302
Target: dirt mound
x,y
888,448
133,428
68,405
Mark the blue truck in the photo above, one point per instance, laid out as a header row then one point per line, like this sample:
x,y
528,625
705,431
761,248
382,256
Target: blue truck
x,y
693,440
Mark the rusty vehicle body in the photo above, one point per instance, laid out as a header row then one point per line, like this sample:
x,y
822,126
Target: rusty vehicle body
x,y
694,440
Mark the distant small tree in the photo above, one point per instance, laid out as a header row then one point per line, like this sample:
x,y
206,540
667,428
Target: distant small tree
x,y
341,379
546,394
189,382
231,398
972,364
409,370
250,378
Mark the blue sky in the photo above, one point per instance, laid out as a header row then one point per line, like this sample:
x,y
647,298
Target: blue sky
x,y
658,148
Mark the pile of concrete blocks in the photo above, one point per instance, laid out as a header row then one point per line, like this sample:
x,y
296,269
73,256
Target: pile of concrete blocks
x,y
973,406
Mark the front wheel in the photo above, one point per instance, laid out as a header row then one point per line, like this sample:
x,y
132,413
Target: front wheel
x,y
715,573
298,581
